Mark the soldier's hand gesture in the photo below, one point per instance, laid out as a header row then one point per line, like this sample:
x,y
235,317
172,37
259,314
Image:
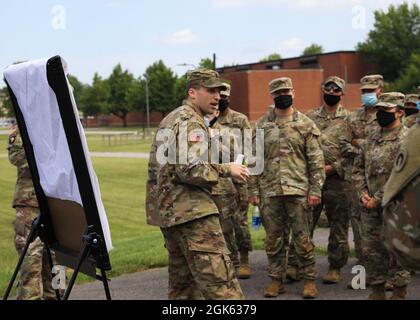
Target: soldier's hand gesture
x,y
239,172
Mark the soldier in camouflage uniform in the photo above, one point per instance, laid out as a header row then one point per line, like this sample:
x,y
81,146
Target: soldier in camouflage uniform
x,y
291,183
233,120
35,273
181,199
330,119
410,110
362,124
401,205
224,192
372,168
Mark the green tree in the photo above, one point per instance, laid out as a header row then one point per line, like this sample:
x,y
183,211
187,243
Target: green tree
x,y
313,49
6,108
180,90
119,83
96,97
271,57
206,63
409,79
162,82
395,37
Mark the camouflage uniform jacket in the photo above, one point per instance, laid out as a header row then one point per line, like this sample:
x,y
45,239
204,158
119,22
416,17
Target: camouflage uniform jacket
x,y
373,166
362,124
293,159
333,130
410,121
225,186
184,189
237,121
24,192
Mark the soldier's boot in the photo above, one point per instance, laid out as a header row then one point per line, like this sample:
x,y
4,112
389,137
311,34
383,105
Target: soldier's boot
x,y
399,293
332,277
274,288
293,274
389,286
378,292
309,290
244,269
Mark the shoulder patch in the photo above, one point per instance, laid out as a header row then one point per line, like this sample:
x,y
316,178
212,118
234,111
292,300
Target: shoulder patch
x,y
12,138
197,135
401,160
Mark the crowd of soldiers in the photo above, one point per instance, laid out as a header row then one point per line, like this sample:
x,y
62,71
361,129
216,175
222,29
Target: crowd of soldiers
x,y
327,160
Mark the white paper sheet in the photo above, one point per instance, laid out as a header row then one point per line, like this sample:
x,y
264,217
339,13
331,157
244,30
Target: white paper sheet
x,y
40,110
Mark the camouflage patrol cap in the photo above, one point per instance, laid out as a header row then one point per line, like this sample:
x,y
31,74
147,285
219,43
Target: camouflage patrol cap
x,y
336,80
372,82
227,91
391,100
280,84
411,98
205,78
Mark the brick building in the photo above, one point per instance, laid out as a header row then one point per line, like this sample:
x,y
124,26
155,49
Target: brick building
x,y
250,81
250,84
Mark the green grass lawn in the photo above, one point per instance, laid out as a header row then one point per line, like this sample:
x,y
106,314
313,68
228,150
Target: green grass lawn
x,y
137,246
98,144
133,144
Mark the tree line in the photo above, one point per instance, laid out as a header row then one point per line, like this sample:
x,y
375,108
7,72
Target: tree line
x,y
393,46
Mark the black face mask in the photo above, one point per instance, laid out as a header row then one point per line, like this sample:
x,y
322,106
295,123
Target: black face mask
x,y
331,100
385,118
283,102
212,122
223,105
411,111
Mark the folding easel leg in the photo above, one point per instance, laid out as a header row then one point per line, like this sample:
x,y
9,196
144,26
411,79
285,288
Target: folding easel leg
x,y
83,254
51,263
30,239
106,287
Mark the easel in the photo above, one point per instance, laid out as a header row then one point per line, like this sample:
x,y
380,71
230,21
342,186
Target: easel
x,y
92,244
84,250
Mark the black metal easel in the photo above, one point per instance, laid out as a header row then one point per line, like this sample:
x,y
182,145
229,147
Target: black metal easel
x,y
92,244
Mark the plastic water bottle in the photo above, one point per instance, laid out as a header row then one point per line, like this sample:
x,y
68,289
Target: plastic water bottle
x,y
256,218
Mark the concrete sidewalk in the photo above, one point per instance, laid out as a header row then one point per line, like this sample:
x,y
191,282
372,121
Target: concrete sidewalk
x,y
152,284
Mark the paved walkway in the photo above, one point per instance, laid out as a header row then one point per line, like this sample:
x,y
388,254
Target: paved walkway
x,y
126,155
152,284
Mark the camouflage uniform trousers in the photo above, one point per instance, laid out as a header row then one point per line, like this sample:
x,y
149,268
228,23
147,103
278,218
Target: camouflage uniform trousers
x,y
376,257
228,207
356,224
337,208
35,273
243,236
199,262
280,216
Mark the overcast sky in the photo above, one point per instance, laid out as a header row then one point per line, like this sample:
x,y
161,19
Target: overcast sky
x,y
95,35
